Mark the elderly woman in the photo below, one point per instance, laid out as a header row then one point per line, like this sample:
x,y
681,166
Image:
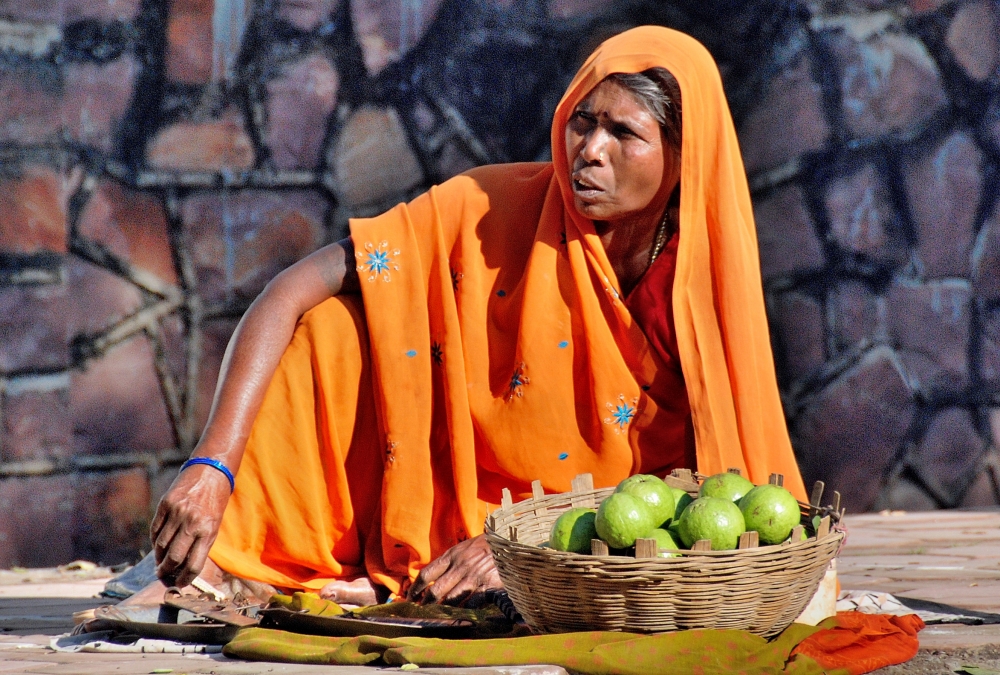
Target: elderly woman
x,y
601,313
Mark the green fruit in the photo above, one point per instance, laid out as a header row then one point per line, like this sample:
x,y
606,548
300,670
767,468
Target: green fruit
x,y
654,492
712,518
772,511
681,500
573,531
664,540
621,519
731,486
675,531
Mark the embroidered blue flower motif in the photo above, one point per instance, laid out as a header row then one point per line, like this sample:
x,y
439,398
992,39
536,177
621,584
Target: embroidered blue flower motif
x,y
411,353
502,293
563,455
517,382
377,261
564,344
621,413
437,354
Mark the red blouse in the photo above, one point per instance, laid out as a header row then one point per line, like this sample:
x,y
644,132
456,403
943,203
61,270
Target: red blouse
x,y
651,304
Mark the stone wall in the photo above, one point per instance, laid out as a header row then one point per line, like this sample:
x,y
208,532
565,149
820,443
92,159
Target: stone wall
x,y
161,160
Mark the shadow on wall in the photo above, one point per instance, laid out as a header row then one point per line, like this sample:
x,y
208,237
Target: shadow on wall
x,y
163,160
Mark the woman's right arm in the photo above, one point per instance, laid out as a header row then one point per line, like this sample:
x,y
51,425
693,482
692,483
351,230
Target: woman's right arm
x,y
188,516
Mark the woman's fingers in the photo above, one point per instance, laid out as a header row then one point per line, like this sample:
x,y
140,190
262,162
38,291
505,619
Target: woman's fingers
x,y
429,575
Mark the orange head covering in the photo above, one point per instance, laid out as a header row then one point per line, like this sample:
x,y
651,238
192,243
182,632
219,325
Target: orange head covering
x,y
719,311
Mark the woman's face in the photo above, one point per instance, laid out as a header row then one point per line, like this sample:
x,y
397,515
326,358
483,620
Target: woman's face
x,y
620,164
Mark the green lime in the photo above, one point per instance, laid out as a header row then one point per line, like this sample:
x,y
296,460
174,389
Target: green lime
x,y
681,500
731,486
772,511
573,531
654,492
621,519
712,518
664,540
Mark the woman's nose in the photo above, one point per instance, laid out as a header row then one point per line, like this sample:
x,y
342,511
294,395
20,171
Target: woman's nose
x,y
594,150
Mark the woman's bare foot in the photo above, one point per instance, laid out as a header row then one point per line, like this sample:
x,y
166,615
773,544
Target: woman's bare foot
x,y
360,592
253,592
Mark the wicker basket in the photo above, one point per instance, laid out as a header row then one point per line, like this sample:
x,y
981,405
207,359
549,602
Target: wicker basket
x,y
761,589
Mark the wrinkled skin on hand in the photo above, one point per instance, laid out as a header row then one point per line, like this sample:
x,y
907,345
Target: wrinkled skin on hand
x,y
462,572
187,522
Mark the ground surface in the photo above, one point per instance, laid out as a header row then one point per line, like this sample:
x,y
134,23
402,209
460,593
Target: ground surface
x,y
951,557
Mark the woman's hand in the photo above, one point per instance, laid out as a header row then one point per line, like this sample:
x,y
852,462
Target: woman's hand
x,y
464,570
187,522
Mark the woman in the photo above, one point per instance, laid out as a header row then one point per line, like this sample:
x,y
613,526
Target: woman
x,y
602,313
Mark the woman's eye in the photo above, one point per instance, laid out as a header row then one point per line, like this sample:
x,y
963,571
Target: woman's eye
x,y
621,131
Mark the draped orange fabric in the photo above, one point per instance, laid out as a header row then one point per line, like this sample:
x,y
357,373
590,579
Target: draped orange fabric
x,y
495,349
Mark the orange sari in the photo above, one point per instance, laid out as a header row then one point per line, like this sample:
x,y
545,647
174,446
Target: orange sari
x,y
493,348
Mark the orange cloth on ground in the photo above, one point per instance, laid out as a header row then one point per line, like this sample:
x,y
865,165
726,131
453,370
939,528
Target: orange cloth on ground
x,y
861,643
501,352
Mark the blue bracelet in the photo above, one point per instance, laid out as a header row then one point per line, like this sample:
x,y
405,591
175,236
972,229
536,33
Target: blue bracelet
x,y
215,464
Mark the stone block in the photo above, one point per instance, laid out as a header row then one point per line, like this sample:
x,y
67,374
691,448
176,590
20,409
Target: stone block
x,y
904,494
991,121
988,349
851,433
38,11
68,11
131,225
299,104
96,98
36,424
786,235
214,145
37,527
856,314
924,6
96,298
974,39
306,15
190,41
566,9
986,258
944,188
947,456
111,516
453,159
36,328
116,402
30,103
929,323
798,324
889,83
215,337
174,338
372,159
33,211
387,29
863,220
788,122
240,240
982,493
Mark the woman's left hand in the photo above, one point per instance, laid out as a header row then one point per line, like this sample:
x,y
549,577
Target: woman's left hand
x,y
464,570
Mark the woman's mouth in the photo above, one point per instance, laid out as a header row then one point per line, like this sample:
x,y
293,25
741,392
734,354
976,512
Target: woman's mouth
x,y
586,189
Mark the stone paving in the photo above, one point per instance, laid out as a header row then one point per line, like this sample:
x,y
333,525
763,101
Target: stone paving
x,y
951,557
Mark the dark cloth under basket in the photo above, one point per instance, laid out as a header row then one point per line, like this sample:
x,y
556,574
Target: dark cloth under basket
x,y
761,590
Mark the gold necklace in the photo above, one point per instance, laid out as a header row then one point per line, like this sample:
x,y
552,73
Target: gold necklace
x,y
660,240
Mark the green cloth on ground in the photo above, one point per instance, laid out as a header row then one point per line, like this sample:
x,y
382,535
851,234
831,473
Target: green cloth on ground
x,y
306,602
704,652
